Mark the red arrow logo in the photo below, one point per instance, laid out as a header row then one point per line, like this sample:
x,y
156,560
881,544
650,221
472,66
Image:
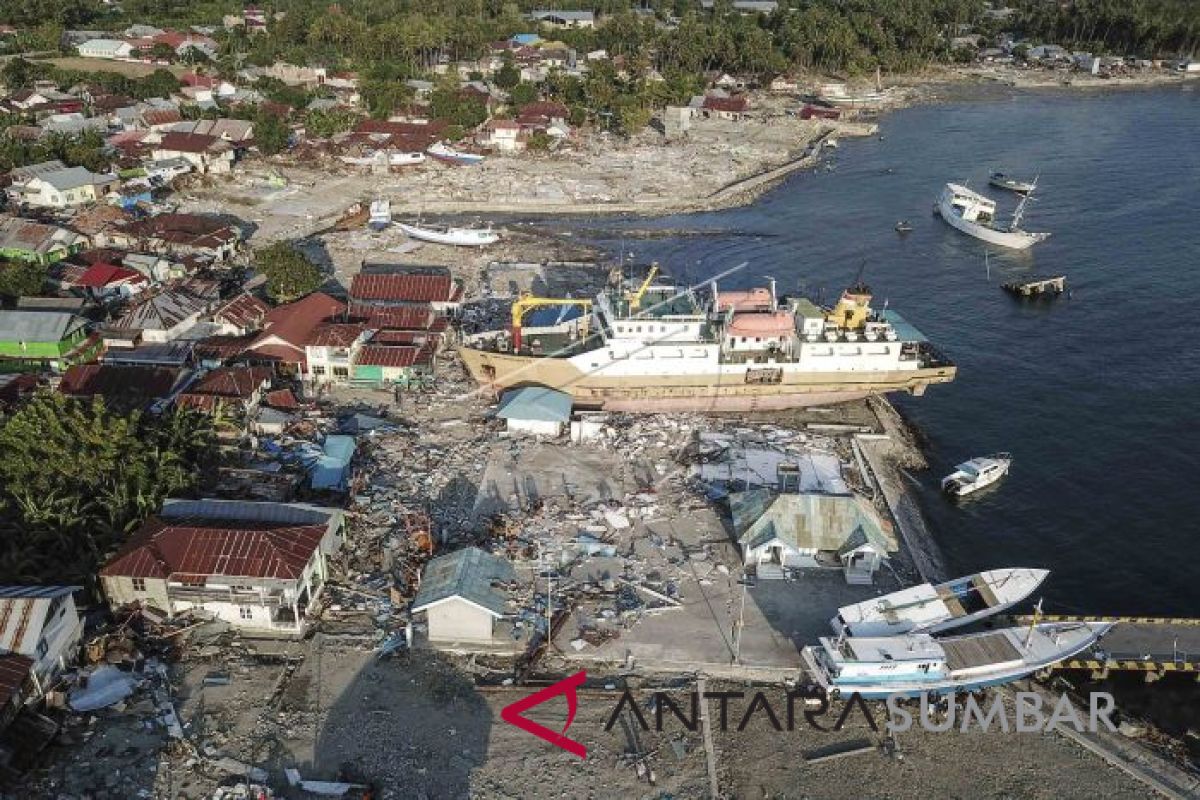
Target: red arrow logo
x,y
567,686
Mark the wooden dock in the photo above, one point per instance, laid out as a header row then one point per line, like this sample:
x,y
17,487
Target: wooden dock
x,y
1038,287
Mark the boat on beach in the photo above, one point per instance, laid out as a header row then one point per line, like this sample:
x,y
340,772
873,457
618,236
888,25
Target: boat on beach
x,y
978,473
1002,181
975,215
381,214
661,347
448,234
934,609
876,668
447,154
379,158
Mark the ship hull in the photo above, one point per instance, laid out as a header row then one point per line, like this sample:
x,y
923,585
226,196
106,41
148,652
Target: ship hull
x,y
1014,240
695,392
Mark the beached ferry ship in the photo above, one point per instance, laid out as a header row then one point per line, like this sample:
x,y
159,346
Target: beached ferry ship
x,y
657,347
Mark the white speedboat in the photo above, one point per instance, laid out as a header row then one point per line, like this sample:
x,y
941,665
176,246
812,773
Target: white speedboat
x,y
975,215
1002,181
444,152
971,476
402,159
903,666
933,609
461,237
381,214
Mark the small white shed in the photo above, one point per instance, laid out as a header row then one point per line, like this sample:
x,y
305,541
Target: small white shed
x,y
462,595
536,410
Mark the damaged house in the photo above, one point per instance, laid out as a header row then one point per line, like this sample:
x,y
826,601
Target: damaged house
x,y
811,530
257,566
40,629
463,596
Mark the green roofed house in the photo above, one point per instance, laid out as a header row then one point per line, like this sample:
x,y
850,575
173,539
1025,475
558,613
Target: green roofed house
x,y
811,530
23,240
40,338
462,595
535,409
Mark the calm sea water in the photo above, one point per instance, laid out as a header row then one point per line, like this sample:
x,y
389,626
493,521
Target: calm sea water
x,y
1096,395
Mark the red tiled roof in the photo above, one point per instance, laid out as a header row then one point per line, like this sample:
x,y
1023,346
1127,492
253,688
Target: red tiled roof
x,y
734,104
243,311
234,383
502,125
118,382
161,116
545,108
100,275
14,671
200,548
386,356
412,317
190,142
293,322
334,334
401,337
404,288
222,348
281,398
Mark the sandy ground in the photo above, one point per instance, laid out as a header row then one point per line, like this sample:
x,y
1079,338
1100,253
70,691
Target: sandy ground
x,y
127,68
597,174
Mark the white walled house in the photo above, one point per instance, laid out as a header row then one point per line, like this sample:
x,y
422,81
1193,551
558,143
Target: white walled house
x,y
463,595
105,48
42,624
535,410
257,566
64,188
330,351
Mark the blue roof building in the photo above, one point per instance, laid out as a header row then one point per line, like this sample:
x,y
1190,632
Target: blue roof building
x,y
535,409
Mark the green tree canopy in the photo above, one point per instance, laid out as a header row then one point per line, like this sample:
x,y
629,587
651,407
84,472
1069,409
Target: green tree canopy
x,y
290,275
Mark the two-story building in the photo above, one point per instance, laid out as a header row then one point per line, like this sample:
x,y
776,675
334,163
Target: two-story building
x,y
257,566
330,351
65,188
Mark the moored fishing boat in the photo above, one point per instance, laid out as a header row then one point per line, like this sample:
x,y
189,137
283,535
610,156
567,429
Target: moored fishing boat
x,y
971,476
1002,181
933,609
916,663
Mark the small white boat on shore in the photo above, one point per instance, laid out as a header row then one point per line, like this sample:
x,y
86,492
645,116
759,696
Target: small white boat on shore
x,y
460,237
444,152
971,476
975,215
379,158
1002,181
381,214
933,609
916,663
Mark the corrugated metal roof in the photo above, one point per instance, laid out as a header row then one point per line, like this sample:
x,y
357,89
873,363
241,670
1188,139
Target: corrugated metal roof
x,y
206,547
535,403
14,671
404,288
905,330
37,326
820,522
386,356
470,574
36,591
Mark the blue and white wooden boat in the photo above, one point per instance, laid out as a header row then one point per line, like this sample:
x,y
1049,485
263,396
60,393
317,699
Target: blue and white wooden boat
x,y
444,152
933,609
905,666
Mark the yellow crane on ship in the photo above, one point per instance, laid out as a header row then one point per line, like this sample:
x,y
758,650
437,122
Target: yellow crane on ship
x,y
634,298
528,301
